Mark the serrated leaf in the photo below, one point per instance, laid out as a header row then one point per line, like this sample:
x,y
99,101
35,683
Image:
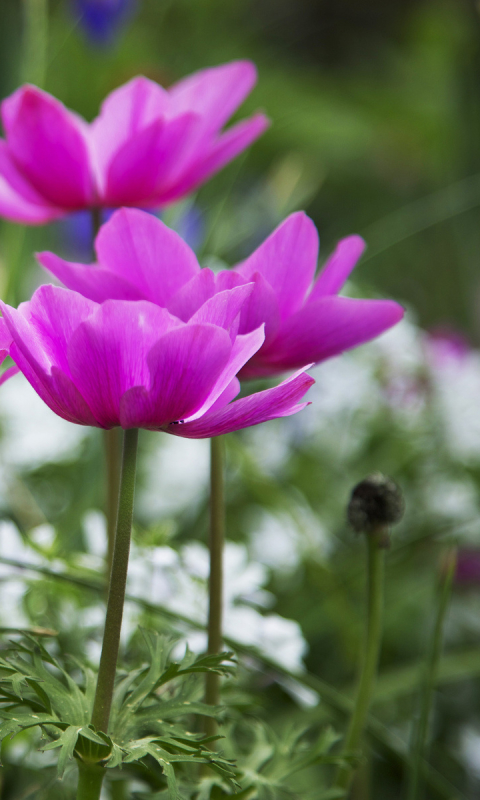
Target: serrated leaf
x,y
28,720
66,742
116,757
161,757
123,688
17,681
89,733
171,708
40,692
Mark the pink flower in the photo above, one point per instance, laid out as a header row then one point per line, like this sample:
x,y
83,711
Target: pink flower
x,y
446,347
134,364
148,147
305,321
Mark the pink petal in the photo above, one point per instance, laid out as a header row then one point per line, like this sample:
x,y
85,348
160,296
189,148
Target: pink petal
x,y
124,114
244,347
47,144
5,339
261,307
338,267
226,397
90,280
31,354
107,354
184,365
54,314
228,279
74,407
215,156
287,260
142,166
141,250
215,93
6,342
224,307
325,328
193,295
19,201
281,401
9,373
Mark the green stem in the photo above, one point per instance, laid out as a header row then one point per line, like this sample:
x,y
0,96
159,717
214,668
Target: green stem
x,y
118,580
375,573
35,40
111,440
421,729
215,606
90,779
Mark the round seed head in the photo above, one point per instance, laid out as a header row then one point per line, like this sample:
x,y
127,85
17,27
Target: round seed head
x,y
376,502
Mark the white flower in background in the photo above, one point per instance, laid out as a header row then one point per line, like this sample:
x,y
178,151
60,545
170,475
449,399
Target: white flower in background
x,y
12,580
176,476
469,750
179,582
457,392
32,434
454,499
281,540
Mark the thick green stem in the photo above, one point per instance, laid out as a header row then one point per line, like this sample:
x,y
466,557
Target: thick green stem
x,y
215,606
375,573
111,440
90,779
118,580
421,730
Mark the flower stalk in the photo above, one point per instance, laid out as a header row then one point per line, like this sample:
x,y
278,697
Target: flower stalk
x,y
118,582
376,503
421,729
215,584
111,442
90,779
91,775
375,581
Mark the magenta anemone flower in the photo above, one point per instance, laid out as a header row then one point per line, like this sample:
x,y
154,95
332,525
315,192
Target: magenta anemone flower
x,y
148,147
136,365
138,257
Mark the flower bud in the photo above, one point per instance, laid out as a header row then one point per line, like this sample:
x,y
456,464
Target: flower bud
x,y
375,504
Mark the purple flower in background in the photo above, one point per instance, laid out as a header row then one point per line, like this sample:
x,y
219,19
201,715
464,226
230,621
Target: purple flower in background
x,y
148,147
138,257
135,365
102,19
468,567
446,346
190,225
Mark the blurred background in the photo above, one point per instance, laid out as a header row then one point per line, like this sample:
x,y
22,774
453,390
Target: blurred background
x,y
375,111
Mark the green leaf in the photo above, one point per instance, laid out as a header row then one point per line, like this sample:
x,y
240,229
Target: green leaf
x,y
89,733
116,757
67,742
161,757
